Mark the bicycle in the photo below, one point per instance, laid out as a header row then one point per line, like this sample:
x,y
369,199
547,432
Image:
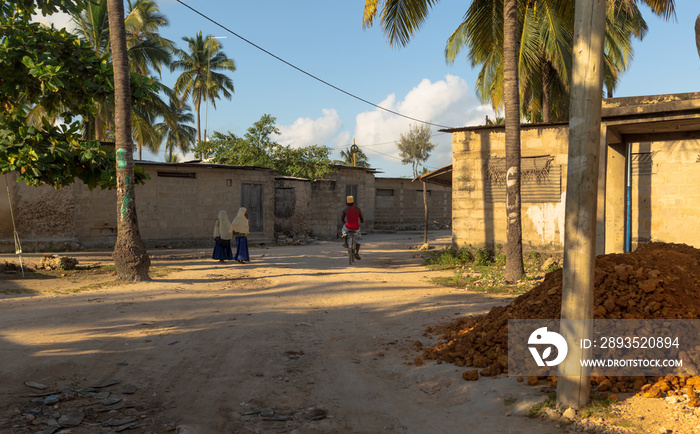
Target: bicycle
x,y
351,247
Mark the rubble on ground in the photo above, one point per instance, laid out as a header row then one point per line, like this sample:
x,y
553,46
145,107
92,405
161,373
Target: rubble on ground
x,y
57,262
657,281
105,407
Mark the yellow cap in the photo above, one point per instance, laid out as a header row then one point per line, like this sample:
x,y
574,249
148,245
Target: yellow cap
x,y
350,199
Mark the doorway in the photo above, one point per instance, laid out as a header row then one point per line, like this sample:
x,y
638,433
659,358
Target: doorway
x,y
252,200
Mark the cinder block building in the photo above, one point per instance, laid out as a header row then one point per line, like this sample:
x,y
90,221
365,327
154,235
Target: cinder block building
x,y
178,206
648,180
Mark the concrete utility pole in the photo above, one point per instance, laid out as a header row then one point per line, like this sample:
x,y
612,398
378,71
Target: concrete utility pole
x,y
573,385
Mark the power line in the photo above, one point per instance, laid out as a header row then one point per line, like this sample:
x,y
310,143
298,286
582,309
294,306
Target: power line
x,y
384,143
307,73
395,157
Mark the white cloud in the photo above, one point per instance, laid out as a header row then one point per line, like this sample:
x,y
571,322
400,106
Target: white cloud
x,y
447,102
59,20
307,131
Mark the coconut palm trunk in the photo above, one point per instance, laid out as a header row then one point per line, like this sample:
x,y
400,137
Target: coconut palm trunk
x,y
199,130
514,242
697,34
546,92
131,260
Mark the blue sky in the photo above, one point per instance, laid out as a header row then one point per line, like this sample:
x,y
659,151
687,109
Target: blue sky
x,y
326,39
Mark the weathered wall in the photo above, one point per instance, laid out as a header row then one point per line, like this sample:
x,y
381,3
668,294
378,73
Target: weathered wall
x,y
178,206
399,204
41,215
479,222
362,181
665,192
173,207
323,218
293,198
313,208
328,200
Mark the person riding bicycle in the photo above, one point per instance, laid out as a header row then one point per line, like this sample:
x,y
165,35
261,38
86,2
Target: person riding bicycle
x,y
351,218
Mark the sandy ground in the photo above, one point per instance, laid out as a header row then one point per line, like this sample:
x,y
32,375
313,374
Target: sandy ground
x,y
295,341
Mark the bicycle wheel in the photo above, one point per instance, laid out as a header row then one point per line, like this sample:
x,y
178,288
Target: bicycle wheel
x,y
351,249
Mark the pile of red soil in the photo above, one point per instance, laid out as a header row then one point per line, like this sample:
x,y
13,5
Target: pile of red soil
x,y
657,281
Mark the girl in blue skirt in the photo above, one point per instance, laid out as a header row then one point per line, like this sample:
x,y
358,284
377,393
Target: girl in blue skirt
x,y
222,238
240,229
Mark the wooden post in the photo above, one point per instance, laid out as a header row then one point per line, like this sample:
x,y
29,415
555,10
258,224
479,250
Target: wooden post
x,y
354,149
573,385
425,207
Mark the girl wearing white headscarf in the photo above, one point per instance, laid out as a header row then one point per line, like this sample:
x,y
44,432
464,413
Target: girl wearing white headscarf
x,y
240,229
222,237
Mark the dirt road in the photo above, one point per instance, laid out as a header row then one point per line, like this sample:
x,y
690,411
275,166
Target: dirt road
x,y
296,341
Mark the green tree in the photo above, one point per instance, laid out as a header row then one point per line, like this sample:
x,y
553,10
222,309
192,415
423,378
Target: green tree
x,y
199,78
131,260
146,50
257,148
415,147
175,129
400,19
545,53
52,70
359,158
311,162
498,121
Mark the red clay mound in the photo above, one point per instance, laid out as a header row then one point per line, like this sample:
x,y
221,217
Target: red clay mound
x,y
657,281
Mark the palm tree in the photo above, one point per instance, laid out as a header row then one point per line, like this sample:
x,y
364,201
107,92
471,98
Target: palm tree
x,y
400,19
544,56
175,129
498,121
143,119
131,260
515,267
547,34
623,22
545,51
199,79
146,49
359,159
92,24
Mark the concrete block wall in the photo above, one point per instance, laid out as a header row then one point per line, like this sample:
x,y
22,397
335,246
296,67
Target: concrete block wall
x,y
481,224
665,195
365,180
666,202
176,208
399,204
293,199
323,215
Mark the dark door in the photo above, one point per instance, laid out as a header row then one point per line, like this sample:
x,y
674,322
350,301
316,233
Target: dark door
x,y
351,190
252,200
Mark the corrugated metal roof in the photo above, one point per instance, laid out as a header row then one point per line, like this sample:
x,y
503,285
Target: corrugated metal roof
x,y
441,176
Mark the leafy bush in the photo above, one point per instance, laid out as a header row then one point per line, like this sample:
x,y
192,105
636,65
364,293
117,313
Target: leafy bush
x,y
483,257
